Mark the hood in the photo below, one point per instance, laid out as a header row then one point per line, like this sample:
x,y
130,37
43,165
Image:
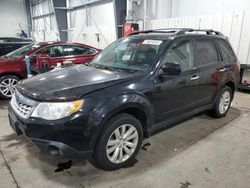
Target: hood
x,y
70,83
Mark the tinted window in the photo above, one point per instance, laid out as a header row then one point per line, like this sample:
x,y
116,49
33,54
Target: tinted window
x,y
226,51
2,51
181,53
14,40
205,52
77,50
23,50
4,40
53,51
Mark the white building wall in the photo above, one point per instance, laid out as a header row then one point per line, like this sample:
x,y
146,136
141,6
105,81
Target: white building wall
x,y
13,13
183,8
234,25
85,24
163,9
156,9
44,28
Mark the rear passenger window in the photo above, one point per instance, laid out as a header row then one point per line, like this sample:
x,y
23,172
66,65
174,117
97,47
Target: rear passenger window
x,y
205,52
78,50
226,51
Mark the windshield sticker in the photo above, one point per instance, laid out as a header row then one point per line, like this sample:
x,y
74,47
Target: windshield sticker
x,y
152,42
122,47
126,57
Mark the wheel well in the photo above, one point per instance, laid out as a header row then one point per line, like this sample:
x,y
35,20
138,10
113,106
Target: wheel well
x,y
231,85
14,74
140,115
137,113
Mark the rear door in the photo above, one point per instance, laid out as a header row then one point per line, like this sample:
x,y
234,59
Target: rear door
x,y
207,59
229,59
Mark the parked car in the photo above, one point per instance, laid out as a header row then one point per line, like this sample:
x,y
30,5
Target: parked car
x,y
134,88
9,44
13,68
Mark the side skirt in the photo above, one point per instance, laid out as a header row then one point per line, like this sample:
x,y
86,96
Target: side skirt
x,y
173,121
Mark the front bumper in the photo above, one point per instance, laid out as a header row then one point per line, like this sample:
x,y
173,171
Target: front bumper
x,y
67,138
60,149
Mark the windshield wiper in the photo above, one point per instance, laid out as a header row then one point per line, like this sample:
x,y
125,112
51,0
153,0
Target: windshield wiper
x,y
104,67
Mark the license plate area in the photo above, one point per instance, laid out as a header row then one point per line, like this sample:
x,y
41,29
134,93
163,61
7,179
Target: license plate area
x,y
16,125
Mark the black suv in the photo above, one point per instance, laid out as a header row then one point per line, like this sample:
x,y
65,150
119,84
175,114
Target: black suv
x,y
138,85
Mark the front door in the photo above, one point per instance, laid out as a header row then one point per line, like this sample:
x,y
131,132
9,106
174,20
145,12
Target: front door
x,y
56,54
175,94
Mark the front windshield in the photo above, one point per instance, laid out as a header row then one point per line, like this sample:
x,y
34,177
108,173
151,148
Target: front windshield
x,y
129,54
21,51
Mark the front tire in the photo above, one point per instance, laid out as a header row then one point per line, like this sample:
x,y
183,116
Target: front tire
x,y
7,86
119,143
222,103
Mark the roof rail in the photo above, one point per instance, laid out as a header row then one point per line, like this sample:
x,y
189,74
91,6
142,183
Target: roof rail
x,y
152,31
207,31
179,31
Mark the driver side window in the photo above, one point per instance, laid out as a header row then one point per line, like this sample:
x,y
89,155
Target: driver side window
x,y
180,52
52,51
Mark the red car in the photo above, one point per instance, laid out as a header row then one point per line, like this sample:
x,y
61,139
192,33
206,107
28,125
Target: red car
x,y
13,68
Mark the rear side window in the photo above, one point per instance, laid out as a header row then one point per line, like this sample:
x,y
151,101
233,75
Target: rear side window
x,y
226,51
205,52
78,50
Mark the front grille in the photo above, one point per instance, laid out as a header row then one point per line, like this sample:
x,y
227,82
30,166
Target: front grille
x,y
21,107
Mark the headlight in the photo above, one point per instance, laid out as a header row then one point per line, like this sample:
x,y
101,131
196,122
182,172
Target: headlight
x,y
56,110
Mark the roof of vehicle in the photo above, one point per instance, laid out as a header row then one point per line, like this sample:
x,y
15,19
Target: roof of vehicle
x,y
61,43
165,34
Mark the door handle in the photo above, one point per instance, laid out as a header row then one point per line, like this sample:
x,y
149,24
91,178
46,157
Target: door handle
x,y
195,77
222,69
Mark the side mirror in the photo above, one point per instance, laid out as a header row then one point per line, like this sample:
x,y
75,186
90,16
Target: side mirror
x,y
171,69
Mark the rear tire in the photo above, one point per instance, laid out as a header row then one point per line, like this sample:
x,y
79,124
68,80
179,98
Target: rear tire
x,y
7,86
119,142
223,103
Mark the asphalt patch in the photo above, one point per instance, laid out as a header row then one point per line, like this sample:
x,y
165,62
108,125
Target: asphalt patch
x,y
185,184
63,166
131,164
145,146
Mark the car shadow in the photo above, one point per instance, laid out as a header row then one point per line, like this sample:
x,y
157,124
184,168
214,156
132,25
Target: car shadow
x,y
156,150
4,104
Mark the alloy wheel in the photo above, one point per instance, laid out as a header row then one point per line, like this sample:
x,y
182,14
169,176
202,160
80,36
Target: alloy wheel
x,y
122,143
7,86
224,102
